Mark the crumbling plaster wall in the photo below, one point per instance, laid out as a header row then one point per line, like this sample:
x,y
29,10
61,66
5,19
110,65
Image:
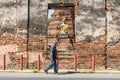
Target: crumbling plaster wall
x,y
90,20
97,32
92,23
113,33
93,20
113,21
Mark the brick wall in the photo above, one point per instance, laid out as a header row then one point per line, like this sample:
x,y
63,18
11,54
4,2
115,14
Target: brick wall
x,y
93,19
104,55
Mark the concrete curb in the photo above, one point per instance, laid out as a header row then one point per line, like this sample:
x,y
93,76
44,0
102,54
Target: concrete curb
x,y
63,71
108,72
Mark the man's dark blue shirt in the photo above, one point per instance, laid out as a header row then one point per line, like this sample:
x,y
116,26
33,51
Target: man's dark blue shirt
x,y
53,51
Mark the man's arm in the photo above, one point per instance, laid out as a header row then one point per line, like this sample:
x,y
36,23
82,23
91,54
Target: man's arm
x,y
51,55
57,57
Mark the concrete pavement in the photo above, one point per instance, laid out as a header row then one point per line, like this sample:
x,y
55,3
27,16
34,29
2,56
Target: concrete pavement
x,y
60,75
63,75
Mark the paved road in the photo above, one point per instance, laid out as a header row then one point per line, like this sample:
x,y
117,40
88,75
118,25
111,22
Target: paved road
x,y
61,76
57,79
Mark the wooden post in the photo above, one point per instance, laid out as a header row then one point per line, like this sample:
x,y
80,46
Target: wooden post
x,y
38,63
93,63
75,63
4,62
21,62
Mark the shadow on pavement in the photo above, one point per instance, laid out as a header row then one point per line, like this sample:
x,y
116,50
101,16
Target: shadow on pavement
x,y
68,72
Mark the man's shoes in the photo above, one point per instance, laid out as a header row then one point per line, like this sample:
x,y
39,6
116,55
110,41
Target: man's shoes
x,y
56,73
46,71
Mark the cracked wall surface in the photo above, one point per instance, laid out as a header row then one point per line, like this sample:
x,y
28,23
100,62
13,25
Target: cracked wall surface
x,y
97,30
